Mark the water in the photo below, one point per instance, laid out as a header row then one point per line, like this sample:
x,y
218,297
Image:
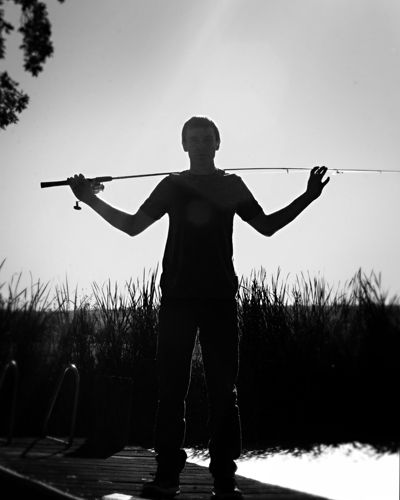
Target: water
x,y
346,472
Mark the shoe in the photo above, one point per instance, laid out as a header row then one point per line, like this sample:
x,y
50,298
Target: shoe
x,y
161,487
226,489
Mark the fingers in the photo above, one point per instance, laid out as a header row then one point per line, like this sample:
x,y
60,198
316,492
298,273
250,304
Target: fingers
x,y
97,187
315,183
76,179
318,173
80,179
321,171
83,188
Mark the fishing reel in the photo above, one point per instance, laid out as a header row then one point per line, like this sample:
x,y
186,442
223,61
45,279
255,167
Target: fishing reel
x,y
96,188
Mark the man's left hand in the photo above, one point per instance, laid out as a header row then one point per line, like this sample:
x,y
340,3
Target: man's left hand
x,y
315,184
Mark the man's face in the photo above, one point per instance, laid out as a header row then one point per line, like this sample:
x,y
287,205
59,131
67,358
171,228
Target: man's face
x,y
200,143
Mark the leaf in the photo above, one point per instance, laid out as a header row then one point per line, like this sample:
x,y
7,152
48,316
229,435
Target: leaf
x,y
36,32
12,100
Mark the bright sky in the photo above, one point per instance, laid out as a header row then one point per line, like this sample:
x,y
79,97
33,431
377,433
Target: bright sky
x,y
289,83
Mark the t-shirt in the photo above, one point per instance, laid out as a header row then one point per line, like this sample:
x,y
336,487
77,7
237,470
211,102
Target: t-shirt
x,y
197,260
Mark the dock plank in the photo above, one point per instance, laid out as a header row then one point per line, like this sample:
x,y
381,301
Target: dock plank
x,y
49,469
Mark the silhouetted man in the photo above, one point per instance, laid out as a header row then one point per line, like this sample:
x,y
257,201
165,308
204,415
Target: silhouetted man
x,y
199,287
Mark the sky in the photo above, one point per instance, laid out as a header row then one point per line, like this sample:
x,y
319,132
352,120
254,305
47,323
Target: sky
x,y
288,83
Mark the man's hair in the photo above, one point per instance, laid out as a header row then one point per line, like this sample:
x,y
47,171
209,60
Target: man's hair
x,y
200,121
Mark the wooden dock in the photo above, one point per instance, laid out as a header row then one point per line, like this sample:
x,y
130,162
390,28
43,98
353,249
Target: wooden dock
x,y
48,472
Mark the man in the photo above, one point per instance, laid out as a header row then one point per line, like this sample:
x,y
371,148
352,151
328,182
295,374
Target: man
x,y
199,287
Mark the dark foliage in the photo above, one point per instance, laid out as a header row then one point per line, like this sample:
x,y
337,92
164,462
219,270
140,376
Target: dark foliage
x,y
37,47
316,367
12,100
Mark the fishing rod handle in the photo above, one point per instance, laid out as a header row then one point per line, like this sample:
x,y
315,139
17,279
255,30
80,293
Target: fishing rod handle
x,y
66,183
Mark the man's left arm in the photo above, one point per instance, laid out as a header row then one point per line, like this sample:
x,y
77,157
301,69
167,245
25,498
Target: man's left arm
x,y
271,223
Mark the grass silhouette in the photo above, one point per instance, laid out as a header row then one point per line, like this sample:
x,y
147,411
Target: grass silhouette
x,y
318,364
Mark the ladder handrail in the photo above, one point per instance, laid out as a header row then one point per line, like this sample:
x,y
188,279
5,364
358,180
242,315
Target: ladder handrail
x,y
71,367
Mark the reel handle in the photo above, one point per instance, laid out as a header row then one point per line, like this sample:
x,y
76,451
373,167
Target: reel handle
x,y
53,184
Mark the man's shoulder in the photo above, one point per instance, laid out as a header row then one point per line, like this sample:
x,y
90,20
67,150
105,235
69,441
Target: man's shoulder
x,y
233,180
229,176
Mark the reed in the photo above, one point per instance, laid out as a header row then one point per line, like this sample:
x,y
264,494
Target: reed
x,y
317,362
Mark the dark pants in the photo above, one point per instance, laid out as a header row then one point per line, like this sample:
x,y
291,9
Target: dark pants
x,y
179,320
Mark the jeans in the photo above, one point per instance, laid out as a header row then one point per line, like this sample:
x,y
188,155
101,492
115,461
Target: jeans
x,y
179,320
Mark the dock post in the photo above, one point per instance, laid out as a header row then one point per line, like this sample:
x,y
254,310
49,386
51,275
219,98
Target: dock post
x,y
12,367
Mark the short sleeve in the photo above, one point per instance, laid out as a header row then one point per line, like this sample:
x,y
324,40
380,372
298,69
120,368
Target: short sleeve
x,y
157,203
247,207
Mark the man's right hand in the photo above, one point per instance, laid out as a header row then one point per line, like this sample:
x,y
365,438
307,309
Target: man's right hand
x,y
84,189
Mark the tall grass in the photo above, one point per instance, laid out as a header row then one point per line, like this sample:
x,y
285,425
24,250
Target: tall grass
x,y
317,363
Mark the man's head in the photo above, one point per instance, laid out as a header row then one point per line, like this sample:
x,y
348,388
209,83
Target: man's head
x,y
200,122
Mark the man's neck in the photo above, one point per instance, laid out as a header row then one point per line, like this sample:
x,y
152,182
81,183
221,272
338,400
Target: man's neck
x,y
202,168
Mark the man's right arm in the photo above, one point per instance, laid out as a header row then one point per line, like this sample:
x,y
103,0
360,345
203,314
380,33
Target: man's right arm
x,y
131,224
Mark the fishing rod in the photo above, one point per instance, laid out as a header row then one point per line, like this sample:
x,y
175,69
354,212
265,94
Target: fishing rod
x,y
108,178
